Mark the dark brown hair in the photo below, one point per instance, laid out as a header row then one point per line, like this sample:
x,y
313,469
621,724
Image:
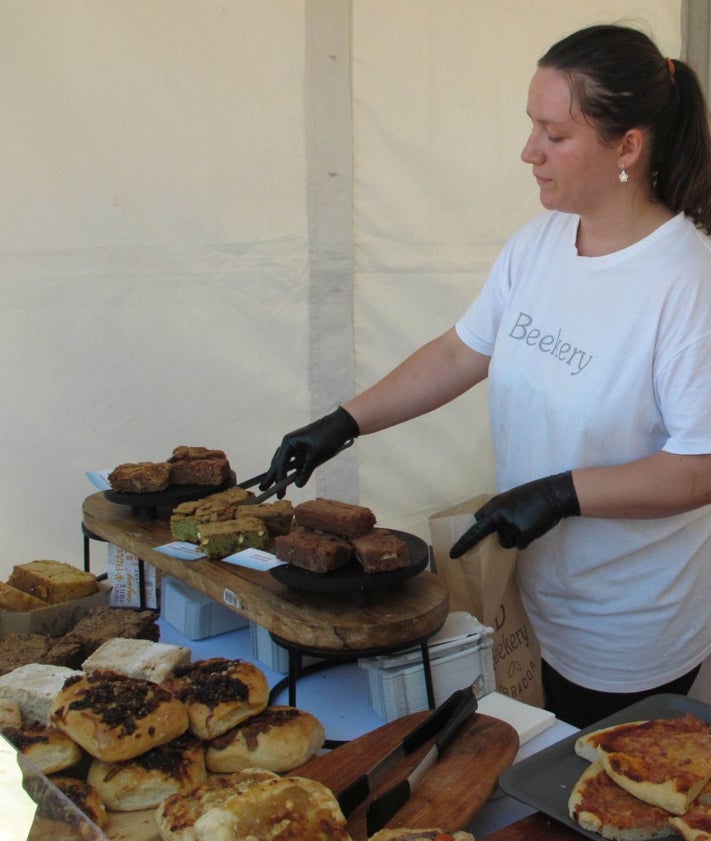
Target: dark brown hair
x,y
620,80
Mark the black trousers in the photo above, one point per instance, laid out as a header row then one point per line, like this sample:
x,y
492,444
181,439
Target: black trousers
x,y
582,707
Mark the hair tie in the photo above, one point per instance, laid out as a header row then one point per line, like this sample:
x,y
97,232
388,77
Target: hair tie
x,y
672,69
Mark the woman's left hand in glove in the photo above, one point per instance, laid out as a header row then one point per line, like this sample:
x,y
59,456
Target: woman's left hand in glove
x,y
523,513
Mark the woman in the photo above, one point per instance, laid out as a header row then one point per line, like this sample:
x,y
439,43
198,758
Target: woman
x,y
594,329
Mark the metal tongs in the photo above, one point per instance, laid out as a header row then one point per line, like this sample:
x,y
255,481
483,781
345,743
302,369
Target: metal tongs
x,y
277,486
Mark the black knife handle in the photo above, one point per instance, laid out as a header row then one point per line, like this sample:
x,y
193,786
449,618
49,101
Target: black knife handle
x,y
382,809
353,794
467,705
433,723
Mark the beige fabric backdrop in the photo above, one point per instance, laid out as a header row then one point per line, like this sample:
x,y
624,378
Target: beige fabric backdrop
x,y
217,217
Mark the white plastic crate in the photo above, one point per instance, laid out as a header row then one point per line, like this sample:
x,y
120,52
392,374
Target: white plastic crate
x,y
194,614
459,653
271,653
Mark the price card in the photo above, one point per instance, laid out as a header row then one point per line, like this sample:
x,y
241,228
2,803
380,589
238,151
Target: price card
x,y
254,559
181,549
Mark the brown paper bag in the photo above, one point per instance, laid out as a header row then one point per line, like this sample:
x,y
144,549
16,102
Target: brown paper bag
x,y
483,583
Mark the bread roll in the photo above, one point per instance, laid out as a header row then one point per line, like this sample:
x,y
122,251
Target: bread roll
x,y
115,718
84,796
177,814
280,739
47,748
146,781
218,693
282,809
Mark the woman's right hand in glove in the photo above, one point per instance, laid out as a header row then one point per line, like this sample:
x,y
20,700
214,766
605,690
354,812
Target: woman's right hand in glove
x,y
304,449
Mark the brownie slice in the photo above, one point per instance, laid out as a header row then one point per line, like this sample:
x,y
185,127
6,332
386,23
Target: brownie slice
x,y
335,517
20,649
203,471
140,477
381,551
313,551
187,516
276,516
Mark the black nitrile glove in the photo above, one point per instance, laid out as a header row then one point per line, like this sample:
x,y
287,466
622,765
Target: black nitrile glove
x,y
523,513
305,448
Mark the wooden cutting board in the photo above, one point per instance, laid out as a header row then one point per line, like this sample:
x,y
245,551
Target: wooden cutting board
x,y
451,794
453,791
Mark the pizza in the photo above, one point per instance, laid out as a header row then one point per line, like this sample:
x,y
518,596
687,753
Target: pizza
x,y
695,825
219,693
599,805
281,809
665,762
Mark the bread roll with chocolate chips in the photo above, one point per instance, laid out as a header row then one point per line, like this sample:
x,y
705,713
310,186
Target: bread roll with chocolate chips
x,y
280,739
147,780
48,748
115,717
218,693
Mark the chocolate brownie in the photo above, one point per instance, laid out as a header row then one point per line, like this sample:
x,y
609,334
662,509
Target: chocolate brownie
x,y
381,551
335,517
140,477
314,551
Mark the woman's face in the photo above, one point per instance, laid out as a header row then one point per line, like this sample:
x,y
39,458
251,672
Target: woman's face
x,y
575,171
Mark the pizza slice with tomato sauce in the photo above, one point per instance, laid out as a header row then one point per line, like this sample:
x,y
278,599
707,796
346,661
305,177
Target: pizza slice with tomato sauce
x,y
664,762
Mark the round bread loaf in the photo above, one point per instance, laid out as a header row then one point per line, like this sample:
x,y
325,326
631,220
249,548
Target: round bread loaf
x,y
145,781
218,693
280,739
48,748
177,814
115,717
84,796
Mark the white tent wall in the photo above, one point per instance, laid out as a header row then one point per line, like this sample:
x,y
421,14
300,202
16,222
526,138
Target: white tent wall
x,y
219,218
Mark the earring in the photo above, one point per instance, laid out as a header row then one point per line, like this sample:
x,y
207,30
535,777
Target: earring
x,y
623,178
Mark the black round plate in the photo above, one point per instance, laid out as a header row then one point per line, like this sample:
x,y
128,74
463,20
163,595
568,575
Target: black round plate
x,y
351,578
173,495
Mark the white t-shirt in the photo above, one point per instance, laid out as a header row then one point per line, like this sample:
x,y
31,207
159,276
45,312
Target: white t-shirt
x,y
598,361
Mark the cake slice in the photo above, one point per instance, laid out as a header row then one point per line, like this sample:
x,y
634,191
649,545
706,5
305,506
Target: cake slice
x,y
53,582
187,516
314,551
13,599
203,471
223,538
335,517
137,658
277,516
381,551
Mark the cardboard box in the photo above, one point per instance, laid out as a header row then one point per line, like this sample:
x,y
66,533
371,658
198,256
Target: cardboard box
x,y
193,613
459,653
55,620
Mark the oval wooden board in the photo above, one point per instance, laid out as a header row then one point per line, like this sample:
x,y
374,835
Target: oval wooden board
x,y
453,791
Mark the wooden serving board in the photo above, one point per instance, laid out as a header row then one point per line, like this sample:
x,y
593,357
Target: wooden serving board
x,y
453,791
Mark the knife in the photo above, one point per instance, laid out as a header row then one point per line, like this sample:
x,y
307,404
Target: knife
x,y
356,792
384,807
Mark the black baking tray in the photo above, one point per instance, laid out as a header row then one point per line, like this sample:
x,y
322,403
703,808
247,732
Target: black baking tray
x,y
546,779
351,578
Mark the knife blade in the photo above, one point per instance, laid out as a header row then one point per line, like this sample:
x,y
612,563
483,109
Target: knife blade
x,y
355,792
385,806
